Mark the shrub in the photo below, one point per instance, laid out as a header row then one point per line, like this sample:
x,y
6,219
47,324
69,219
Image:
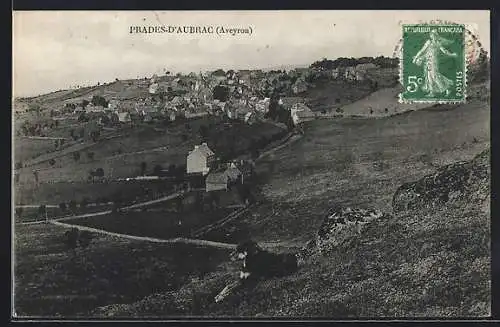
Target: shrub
x,y
63,206
42,209
72,205
71,238
157,170
84,203
76,156
143,168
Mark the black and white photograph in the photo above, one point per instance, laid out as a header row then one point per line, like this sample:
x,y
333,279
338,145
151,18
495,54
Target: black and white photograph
x,y
251,165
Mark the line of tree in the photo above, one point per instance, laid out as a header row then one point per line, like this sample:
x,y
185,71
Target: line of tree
x,y
381,61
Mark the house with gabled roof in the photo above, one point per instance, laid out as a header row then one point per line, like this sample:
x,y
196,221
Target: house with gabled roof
x,y
200,160
124,117
300,113
222,179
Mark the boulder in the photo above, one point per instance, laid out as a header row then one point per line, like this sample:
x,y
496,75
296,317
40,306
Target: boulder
x,y
340,224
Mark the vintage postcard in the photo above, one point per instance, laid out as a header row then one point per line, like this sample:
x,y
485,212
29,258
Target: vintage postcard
x,y
251,164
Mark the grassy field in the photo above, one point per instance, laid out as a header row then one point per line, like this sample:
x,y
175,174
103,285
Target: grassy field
x,y
50,281
32,214
26,149
356,162
122,156
65,192
335,94
159,224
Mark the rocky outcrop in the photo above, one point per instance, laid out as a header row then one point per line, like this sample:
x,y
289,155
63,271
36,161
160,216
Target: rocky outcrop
x,y
467,181
339,225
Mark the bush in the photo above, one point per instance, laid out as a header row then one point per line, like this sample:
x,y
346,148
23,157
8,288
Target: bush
x,y
76,156
90,155
42,209
52,162
63,206
19,212
18,165
84,203
99,172
71,238
72,205
157,170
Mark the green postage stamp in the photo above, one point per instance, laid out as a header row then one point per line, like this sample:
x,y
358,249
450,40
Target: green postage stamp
x,y
433,64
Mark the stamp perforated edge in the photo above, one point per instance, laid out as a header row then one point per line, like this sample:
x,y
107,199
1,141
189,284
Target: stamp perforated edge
x,y
430,101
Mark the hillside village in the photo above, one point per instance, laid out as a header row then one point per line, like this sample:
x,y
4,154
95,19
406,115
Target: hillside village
x,y
206,159
73,118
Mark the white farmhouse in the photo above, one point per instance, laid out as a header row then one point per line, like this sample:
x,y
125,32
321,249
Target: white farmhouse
x,y
200,159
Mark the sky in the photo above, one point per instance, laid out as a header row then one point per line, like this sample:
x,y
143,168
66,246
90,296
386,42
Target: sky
x,y
55,50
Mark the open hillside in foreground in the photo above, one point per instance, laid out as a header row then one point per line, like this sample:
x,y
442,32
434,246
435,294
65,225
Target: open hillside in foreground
x,y
429,261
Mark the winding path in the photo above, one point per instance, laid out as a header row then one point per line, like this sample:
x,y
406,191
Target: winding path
x,y
106,212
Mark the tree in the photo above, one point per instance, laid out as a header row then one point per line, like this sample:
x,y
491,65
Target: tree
x,y
218,72
85,239
90,155
71,238
143,168
172,168
42,210
203,131
99,172
85,103
83,117
76,156
157,170
18,165
19,212
98,100
84,203
52,162
94,135
179,203
220,93
63,206
72,206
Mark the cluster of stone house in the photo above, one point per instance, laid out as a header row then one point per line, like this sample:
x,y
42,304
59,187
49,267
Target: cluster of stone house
x,y
190,96
202,162
353,73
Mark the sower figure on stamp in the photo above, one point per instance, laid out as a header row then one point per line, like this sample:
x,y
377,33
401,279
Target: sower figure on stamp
x,y
434,81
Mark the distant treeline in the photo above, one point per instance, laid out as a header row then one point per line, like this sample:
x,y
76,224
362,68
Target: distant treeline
x,y
383,62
